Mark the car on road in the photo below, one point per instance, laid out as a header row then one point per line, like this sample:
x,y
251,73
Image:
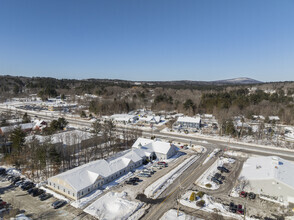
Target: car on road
x,y
45,196
57,204
243,194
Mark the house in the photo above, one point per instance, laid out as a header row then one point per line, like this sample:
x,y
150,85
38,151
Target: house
x,y
124,118
39,125
188,123
25,127
151,149
82,180
270,176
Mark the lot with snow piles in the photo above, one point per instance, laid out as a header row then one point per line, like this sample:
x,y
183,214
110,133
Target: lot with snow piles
x,y
113,206
172,214
205,178
210,205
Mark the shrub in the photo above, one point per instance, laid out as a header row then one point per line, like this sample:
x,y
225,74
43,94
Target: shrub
x,y
200,194
208,185
200,203
192,197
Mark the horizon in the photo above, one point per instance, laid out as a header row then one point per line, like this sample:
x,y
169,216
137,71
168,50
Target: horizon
x,y
148,41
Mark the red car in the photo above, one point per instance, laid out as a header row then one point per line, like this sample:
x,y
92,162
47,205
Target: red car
x,y
243,194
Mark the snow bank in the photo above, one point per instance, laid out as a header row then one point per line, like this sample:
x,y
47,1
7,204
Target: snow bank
x,y
172,214
161,184
113,206
211,155
56,195
235,154
21,217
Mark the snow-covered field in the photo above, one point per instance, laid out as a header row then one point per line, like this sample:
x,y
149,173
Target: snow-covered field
x,y
113,206
209,156
205,178
155,189
172,214
210,205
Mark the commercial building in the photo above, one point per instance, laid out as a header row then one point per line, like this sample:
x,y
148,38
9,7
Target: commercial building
x,y
270,176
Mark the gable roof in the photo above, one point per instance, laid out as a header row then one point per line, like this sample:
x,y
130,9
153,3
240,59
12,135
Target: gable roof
x,y
189,120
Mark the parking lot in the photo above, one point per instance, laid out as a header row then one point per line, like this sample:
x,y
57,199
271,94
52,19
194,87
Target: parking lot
x,y
36,209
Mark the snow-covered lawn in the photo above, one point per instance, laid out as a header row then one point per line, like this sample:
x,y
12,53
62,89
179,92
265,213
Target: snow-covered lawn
x,y
56,195
172,214
209,156
113,206
205,178
210,205
155,189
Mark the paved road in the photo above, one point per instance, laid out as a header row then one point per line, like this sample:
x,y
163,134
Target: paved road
x,y
184,182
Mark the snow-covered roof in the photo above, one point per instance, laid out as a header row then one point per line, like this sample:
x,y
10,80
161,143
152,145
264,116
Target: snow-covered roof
x,y
267,168
22,126
149,146
86,175
189,119
123,117
67,138
276,118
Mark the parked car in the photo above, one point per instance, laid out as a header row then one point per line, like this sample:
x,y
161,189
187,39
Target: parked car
x,y
45,196
137,179
143,175
27,186
243,194
2,171
57,204
215,180
162,163
131,182
223,169
252,195
31,190
38,192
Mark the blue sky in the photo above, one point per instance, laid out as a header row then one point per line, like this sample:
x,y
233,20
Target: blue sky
x,y
148,40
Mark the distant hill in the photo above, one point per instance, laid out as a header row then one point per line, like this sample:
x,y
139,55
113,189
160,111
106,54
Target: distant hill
x,y
241,80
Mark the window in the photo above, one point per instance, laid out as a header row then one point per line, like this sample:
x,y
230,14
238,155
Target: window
x,y
88,189
63,190
54,185
50,183
78,193
82,193
57,187
68,192
73,194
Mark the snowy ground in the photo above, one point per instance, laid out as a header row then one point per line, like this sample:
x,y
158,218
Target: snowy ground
x,y
235,153
155,189
205,178
113,206
172,214
209,156
210,205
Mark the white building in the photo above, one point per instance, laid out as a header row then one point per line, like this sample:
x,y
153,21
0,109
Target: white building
x,y
152,149
124,118
188,122
82,180
271,176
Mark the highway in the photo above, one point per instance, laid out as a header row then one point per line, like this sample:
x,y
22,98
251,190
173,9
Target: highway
x,y
212,142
